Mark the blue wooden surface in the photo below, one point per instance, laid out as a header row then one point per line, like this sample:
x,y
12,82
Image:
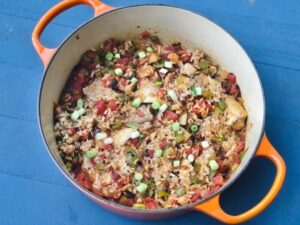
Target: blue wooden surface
x,y
32,190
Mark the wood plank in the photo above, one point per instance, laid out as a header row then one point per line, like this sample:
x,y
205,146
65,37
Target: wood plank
x,y
269,34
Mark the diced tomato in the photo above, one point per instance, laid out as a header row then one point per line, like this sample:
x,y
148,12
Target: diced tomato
x,y
101,107
162,92
123,61
126,201
151,153
169,115
196,196
110,44
163,143
150,203
92,66
233,90
121,182
188,151
196,150
218,180
108,147
205,193
91,54
231,78
127,54
236,159
112,105
121,66
77,83
139,113
240,148
185,58
133,142
84,180
144,35
196,110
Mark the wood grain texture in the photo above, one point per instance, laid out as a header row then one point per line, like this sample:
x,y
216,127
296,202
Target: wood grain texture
x,y
32,189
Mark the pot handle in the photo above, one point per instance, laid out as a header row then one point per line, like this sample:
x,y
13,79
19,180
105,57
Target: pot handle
x,y
47,53
213,208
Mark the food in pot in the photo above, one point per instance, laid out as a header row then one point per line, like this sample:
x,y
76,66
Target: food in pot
x,y
150,125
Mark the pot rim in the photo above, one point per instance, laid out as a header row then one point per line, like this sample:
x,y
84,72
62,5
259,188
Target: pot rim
x,y
115,204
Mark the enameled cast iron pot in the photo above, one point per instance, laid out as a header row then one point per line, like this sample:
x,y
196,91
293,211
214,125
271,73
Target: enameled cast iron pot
x,y
171,23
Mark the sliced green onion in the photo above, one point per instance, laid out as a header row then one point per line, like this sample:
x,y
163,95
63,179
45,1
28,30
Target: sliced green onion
x,y
207,94
136,102
176,126
221,105
180,192
155,105
158,83
168,64
142,54
80,103
149,49
138,176
163,107
99,166
195,180
163,194
203,64
176,163
81,111
117,56
154,39
109,56
119,71
101,136
142,188
167,152
135,134
158,152
197,91
172,95
91,153
197,168
75,115
133,80
194,128
133,126
179,138
163,70
139,206
213,165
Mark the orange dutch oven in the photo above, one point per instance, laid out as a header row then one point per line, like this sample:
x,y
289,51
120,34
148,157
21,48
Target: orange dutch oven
x,y
171,23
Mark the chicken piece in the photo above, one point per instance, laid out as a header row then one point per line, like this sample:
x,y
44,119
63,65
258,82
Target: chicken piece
x,y
183,119
145,71
143,117
122,136
197,55
188,69
147,92
96,91
88,167
235,114
129,89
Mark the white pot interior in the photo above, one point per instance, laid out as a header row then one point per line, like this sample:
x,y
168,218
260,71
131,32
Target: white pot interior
x,y
171,24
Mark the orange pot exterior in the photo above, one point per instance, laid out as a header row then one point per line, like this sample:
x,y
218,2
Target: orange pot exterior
x,y
210,207
47,53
